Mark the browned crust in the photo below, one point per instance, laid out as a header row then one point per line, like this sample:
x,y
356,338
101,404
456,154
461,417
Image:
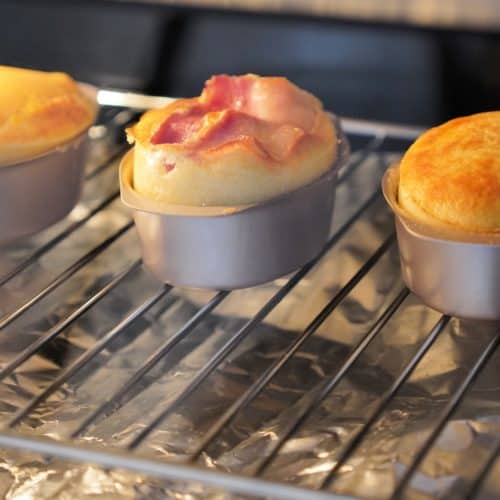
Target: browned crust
x,y
452,172
39,110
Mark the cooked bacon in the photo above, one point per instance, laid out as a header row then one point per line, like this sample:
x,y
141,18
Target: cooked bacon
x,y
221,126
280,143
179,126
229,126
278,101
224,91
273,112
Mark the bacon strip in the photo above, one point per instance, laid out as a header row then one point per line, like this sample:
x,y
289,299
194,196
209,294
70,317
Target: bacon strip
x,y
272,112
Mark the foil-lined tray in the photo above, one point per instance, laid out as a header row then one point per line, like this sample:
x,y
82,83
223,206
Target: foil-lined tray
x,y
308,456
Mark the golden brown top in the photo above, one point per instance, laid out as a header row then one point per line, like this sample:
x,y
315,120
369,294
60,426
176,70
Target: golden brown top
x,y
39,111
452,173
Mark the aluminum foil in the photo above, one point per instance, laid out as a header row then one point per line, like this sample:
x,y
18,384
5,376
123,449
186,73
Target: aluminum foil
x,y
311,452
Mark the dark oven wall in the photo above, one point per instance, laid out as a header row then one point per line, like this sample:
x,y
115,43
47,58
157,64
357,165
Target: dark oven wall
x,y
367,71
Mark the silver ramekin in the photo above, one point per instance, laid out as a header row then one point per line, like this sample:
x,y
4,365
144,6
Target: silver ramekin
x,y
453,271
40,191
233,247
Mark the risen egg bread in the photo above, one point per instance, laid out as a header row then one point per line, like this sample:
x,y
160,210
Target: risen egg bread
x,y
39,111
451,174
245,139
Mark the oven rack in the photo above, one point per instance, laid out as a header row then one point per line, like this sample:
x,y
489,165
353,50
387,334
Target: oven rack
x,y
370,140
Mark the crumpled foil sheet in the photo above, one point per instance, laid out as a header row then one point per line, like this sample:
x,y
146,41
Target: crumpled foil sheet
x,y
306,458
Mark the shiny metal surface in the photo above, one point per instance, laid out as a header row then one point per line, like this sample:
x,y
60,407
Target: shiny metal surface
x,y
30,199
449,273
334,382
234,247
140,102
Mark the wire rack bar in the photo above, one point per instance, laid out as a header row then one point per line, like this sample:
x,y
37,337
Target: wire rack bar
x,y
386,399
112,458
150,362
67,273
362,154
372,146
477,484
188,470
445,416
115,154
241,334
329,384
117,122
62,325
256,388
57,239
88,355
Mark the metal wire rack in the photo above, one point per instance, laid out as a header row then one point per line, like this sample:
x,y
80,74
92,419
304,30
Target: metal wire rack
x,y
84,270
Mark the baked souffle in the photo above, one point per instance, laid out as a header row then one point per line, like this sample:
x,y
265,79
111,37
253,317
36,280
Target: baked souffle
x,y
451,174
244,140
39,111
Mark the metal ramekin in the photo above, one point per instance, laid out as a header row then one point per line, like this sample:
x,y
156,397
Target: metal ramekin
x,y
453,271
233,247
38,192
